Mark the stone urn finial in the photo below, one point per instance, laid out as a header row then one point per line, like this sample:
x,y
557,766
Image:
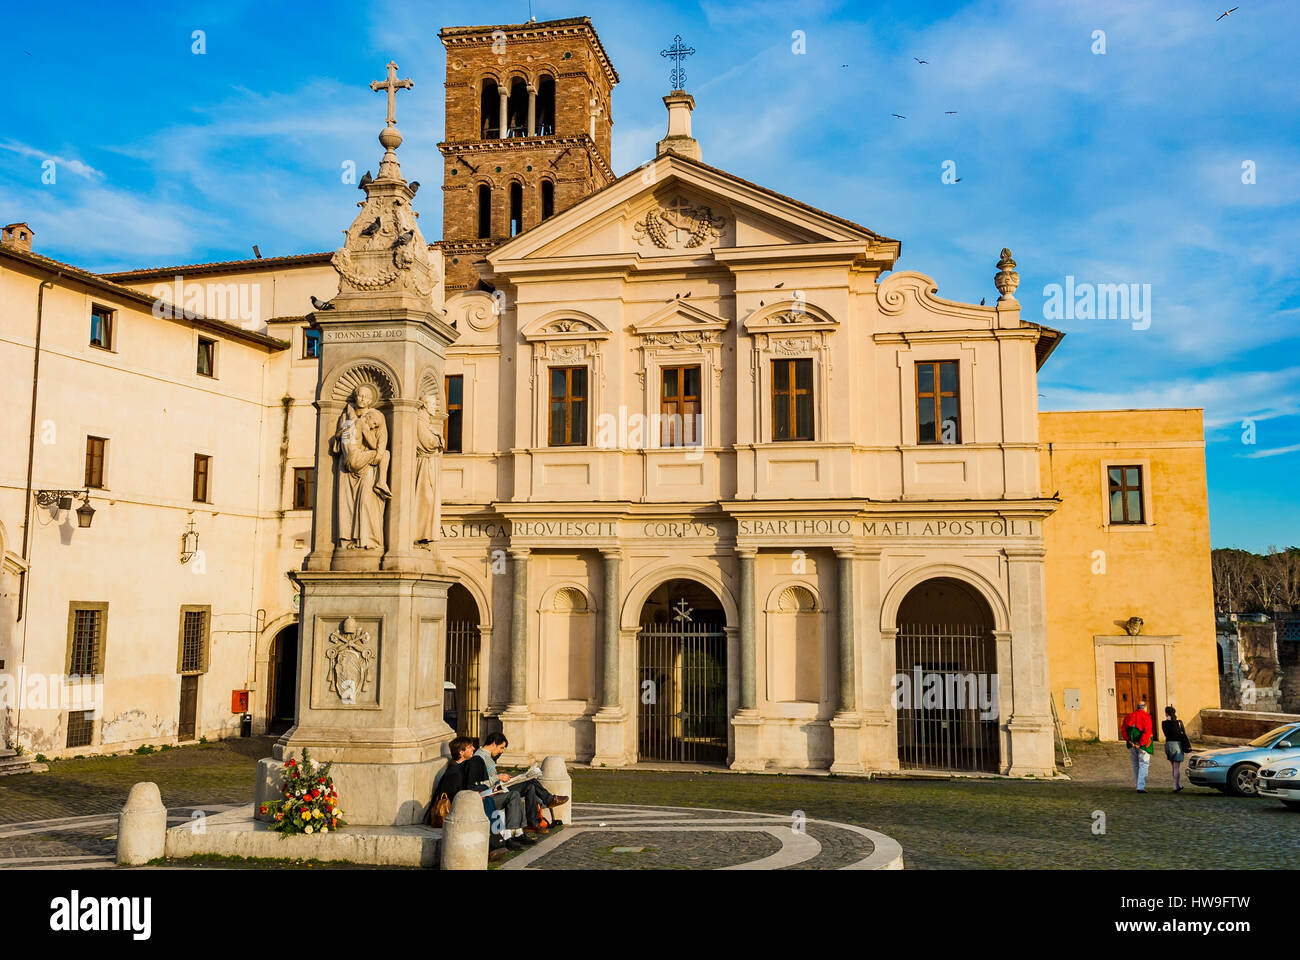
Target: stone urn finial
x,y
1007,279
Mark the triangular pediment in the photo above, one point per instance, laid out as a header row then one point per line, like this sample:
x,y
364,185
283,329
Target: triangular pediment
x,y
679,315
678,207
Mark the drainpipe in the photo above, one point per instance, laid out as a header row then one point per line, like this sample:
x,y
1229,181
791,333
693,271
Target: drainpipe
x,y
27,499
31,454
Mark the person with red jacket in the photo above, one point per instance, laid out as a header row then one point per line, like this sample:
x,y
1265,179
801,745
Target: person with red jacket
x,y
1138,736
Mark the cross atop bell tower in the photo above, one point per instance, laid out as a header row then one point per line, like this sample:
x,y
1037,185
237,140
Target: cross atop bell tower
x,y
529,131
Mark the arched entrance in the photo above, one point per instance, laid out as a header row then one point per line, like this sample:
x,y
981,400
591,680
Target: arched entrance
x,y
946,684
282,681
682,675
460,706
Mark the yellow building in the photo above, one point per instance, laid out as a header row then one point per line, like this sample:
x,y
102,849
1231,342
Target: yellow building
x,y
1131,538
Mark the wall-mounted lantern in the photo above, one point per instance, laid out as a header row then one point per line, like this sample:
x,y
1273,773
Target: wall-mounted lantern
x,y
189,543
63,500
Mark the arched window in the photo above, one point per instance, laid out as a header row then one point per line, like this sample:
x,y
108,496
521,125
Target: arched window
x,y
546,106
517,108
516,208
484,211
490,110
548,199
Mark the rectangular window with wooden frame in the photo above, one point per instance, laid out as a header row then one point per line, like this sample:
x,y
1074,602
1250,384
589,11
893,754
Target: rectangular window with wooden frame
x,y
568,420
679,407
792,400
87,639
207,358
202,478
1125,494
101,327
455,388
938,404
304,488
96,449
192,655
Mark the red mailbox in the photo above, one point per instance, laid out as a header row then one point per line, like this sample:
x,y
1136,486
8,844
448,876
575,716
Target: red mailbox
x,y
238,701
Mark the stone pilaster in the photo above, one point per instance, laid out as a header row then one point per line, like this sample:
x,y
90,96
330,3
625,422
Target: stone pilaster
x,y
611,720
1030,724
746,723
846,725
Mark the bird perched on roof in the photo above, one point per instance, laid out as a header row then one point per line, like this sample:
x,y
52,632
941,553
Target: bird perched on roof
x,y
780,285
371,230
321,304
415,187
366,180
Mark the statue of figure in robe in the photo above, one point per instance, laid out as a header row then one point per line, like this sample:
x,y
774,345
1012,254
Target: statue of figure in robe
x,y
429,445
360,444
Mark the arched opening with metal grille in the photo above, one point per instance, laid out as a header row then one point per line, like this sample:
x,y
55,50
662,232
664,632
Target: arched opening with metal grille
x,y
682,675
946,679
460,701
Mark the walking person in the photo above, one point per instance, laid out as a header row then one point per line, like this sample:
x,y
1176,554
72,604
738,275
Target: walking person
x,y
1176,744
1139,737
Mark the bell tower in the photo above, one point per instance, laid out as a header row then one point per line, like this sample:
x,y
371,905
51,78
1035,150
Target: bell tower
x,y
528,132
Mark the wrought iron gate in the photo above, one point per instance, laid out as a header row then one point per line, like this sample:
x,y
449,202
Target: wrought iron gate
x,y
460,705
946,694
682,692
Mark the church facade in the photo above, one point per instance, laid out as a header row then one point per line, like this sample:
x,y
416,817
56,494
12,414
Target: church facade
x,y
720,484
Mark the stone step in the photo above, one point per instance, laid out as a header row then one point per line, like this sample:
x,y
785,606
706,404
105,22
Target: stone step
x,y
14,764
6,754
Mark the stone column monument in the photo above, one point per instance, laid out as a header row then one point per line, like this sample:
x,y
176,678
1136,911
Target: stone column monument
x,y
374,594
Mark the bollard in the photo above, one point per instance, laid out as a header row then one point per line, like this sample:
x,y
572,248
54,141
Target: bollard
x,y
555,778
465,831
142,826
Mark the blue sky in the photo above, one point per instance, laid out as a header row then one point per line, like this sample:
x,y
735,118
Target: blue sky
x,y
1116,167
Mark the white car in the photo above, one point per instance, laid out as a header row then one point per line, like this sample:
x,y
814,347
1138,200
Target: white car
x,y
1281,781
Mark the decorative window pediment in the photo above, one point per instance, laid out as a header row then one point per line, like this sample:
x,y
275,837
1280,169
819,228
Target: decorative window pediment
x,y
565,325
786,316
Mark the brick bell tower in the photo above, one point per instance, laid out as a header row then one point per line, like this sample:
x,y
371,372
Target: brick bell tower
x,y
528,132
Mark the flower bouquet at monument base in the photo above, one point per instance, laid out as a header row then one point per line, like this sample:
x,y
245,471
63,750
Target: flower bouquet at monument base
x,y
310,804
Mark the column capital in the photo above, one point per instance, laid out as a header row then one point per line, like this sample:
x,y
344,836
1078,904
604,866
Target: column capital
x,y
519,553
612,553
746,553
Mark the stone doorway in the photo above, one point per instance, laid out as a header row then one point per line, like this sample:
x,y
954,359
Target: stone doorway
x,y
460,700
682,676
282,681
946,682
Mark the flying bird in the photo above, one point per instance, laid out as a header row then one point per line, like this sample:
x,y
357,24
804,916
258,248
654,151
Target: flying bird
x,y
951,113
415,187
1224,14
404,237
371,230
321,304
366,180
898,115
919,60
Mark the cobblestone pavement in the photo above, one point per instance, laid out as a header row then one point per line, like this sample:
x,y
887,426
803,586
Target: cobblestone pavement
x,y
640,837
1095,820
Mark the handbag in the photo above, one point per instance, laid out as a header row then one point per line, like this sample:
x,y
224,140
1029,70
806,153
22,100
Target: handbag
x,y
439,810
1183,738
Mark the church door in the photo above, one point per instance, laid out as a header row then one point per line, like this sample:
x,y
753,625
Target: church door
x,y
1134,681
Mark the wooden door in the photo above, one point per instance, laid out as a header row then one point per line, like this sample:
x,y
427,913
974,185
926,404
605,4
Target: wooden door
x,y
189,706
1134,681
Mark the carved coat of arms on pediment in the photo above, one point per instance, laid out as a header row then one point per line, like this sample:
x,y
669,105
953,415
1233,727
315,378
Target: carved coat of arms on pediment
x,y
678,225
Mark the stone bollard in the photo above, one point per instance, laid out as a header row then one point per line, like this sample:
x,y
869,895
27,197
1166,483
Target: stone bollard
x,y
555,778
465,831
142,826
270,786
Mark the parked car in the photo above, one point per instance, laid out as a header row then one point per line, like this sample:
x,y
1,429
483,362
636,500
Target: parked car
x,y
1235,769
1280,780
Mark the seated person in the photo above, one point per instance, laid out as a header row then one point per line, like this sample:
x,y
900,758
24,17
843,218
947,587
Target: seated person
x,y
520,804
452,780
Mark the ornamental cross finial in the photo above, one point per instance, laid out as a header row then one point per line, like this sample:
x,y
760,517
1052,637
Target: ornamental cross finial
x,y
677,53
392,85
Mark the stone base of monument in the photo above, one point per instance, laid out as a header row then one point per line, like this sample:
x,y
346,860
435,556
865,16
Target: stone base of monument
x,y
237,833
